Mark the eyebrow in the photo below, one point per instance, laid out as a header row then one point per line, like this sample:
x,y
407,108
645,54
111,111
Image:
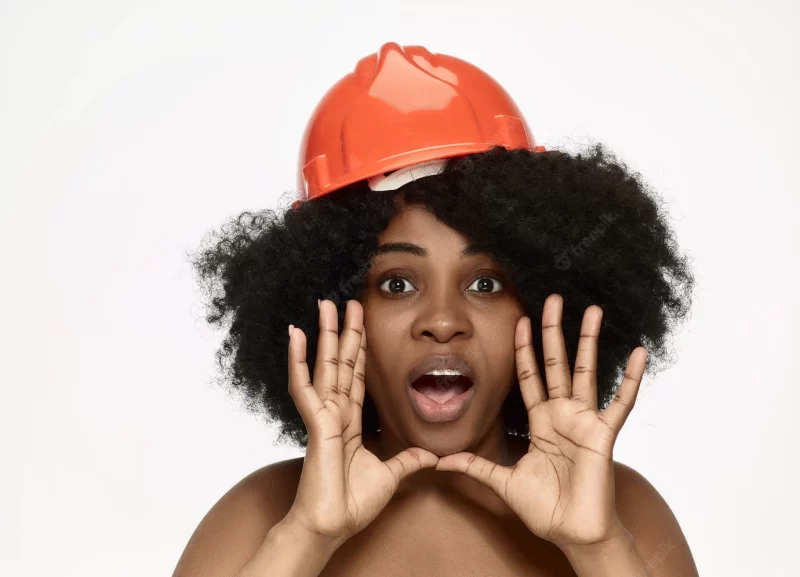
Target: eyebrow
x,y
410,248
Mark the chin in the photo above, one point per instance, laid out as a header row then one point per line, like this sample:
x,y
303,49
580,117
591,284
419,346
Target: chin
x,y
443,439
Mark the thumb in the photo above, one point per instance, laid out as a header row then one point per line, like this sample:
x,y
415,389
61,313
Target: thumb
x,y
410,461
482,470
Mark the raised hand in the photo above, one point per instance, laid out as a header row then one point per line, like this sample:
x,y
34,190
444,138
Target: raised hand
x,y
343,486
563,488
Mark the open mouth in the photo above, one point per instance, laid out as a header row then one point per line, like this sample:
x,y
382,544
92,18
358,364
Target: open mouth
x,y
442,386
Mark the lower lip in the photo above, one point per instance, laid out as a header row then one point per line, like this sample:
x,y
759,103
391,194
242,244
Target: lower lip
x,y
432,412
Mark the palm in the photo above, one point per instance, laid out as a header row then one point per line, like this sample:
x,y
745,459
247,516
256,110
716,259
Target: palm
x,y
343,486
371,486
554,486
563,488
369,482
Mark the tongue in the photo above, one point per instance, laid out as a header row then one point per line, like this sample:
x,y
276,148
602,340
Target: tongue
x,y
441,389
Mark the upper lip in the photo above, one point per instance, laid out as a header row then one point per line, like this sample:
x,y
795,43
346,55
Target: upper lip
x,y
446,361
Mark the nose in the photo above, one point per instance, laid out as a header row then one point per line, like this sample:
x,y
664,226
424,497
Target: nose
x,y
442,316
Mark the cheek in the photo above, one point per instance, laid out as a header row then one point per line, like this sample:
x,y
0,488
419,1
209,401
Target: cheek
x,y
382,356
384,330
505,355
500,347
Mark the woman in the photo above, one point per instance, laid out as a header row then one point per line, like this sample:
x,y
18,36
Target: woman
x,y
463,406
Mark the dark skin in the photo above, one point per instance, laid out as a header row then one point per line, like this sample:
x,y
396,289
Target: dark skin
x,y
440,307
441,522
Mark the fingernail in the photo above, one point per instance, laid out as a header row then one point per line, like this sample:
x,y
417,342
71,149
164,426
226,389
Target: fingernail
x,y
319,306
290,330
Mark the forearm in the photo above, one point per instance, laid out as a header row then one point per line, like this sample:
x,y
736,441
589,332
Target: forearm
x,y
615,557
288,551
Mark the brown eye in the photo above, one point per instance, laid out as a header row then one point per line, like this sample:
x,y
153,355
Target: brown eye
x,y
486,284
395,285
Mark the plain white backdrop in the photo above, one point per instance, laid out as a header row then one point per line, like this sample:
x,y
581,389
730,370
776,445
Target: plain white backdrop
x,y
130,129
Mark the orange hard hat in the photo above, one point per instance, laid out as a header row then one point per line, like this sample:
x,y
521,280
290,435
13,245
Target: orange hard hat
x,y
400,108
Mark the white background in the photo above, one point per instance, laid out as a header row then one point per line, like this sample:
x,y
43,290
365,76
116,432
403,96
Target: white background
x,y
130,129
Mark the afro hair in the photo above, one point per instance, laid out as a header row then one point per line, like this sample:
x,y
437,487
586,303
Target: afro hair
x,y
581,225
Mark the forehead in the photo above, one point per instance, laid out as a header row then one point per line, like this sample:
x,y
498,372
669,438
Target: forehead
x,y
416,231
413,222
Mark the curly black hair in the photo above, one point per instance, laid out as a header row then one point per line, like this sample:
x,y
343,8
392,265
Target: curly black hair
x,y
581,225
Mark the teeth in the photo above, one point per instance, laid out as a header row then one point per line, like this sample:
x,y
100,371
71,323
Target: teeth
x,y
443,372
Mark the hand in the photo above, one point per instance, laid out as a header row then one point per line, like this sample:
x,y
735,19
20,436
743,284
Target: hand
x,y
563,488
343,486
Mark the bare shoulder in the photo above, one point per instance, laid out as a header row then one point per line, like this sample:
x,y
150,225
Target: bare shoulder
x,y
646,515
234,528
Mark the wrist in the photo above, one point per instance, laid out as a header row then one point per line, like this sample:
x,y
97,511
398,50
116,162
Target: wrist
x,y
291,530
618,540
613,556
289,550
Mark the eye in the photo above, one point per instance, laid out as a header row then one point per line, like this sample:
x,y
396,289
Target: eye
x,y
485,281
396,282
485,285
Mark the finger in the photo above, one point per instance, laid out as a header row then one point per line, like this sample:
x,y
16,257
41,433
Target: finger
x,y
410,461
483,470
584,383
358,386
326,368
528,375
349,344
357,392
618,410
556,366
301,389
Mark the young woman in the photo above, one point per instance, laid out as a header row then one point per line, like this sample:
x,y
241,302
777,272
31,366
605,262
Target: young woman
x,y
479,313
